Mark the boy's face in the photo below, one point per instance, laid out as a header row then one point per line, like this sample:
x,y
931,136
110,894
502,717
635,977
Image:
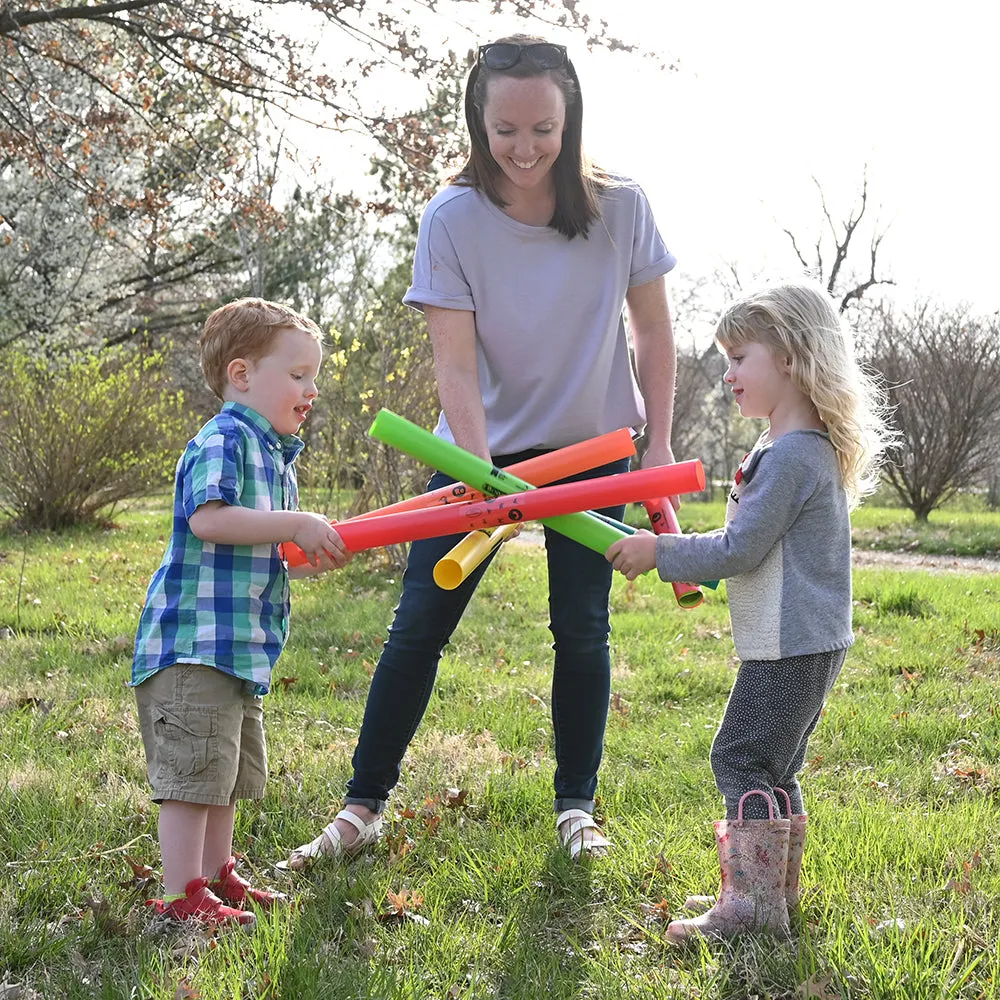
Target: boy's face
x,y
280,386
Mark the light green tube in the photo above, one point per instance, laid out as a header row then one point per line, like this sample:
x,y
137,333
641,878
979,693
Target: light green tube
x,y
390,428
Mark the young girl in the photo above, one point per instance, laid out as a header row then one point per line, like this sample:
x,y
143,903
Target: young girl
x,y
786,554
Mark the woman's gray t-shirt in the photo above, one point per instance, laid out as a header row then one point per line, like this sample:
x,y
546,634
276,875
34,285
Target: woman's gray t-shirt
x,y
554,364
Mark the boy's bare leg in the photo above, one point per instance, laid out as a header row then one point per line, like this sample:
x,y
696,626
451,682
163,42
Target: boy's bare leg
x,y
182,828
218,848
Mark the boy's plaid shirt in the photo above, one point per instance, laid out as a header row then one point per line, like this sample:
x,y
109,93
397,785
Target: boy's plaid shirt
x,y
225,606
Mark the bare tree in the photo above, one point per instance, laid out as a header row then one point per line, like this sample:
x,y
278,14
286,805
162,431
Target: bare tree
x,y
943,365
828,258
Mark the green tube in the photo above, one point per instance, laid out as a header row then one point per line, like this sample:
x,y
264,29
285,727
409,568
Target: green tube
x,y
391,429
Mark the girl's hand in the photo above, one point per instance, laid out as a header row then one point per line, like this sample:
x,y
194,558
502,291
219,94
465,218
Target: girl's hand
x,y
634,555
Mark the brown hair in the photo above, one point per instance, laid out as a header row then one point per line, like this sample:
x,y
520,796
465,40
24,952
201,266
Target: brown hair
x,y
576,180
245,328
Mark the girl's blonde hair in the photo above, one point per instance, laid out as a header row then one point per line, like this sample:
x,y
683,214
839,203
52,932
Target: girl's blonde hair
x,y
799,320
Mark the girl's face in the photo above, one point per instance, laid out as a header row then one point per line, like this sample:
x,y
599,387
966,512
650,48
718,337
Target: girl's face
x,y
760,379
524,120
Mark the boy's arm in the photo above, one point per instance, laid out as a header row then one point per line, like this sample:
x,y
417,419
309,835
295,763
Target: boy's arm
x,y
226,524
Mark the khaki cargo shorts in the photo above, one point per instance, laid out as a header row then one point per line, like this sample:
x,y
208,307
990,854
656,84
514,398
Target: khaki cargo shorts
x,y
203,732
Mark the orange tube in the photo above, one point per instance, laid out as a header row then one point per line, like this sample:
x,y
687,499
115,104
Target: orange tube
x,y
663,519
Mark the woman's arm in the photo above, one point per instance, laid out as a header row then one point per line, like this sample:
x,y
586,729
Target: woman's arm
x,y
453,338
655,364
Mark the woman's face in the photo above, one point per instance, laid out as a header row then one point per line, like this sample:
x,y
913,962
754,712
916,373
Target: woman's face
x,y
524,119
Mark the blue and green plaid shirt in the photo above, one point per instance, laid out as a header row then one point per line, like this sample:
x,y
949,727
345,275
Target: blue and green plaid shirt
x,y
225,606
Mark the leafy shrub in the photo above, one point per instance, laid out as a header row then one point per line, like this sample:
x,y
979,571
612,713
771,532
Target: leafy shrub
x,y
83,433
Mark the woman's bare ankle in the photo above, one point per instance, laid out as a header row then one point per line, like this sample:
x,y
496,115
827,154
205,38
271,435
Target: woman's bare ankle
x,y
348,832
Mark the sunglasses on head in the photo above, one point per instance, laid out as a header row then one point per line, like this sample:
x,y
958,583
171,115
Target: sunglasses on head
x,y
539,55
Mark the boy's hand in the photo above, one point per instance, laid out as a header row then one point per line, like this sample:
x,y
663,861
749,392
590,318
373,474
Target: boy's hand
x,y
323,547
634,555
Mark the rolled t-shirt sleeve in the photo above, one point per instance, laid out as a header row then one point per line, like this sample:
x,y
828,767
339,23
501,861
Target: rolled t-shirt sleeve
x,y
438,278
212,471
650,256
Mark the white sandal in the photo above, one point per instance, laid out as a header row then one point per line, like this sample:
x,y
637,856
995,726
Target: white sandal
x,y
329,843
573,838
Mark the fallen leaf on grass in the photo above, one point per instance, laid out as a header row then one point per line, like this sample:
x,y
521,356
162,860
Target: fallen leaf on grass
x,y
818,987
108,924
405,899
964,884
454,798
656,911
140,870
403,906
619,704
399,843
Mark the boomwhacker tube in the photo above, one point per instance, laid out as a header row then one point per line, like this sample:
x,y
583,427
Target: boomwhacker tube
x,y
549,503
663,520
456,564
453,567
474,471
538,471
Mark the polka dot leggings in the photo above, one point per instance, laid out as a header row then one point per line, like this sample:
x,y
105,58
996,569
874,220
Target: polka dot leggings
x,y
772,710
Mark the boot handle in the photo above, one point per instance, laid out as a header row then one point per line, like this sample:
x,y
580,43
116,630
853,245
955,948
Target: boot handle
x,y
756,791
788,799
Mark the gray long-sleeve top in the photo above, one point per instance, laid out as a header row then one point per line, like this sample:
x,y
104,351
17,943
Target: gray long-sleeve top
x,y
785,551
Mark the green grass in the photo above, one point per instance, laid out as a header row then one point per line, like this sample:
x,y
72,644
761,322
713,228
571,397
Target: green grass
x,y
901,785
960,531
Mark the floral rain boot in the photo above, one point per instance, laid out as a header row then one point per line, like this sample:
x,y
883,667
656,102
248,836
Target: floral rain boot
x,y
753,857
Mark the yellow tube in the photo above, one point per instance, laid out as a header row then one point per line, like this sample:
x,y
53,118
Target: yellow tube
x,y
451,569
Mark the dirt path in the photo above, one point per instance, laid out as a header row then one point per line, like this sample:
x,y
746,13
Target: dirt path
x,y
872,559
864,558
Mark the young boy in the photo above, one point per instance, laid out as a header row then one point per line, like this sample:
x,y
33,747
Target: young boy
x,y
216,613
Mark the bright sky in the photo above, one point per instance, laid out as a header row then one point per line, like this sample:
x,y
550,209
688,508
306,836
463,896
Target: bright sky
x,y
768,95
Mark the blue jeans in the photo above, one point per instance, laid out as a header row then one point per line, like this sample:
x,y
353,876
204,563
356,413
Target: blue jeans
x,y
579,588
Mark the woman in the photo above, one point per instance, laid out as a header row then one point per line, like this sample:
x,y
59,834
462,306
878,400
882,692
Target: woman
x,y
523,267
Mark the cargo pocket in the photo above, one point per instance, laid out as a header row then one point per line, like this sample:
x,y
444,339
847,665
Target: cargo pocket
x,y
190,746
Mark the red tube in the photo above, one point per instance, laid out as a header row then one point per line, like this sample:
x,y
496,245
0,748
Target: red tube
x,y
663,520
549,501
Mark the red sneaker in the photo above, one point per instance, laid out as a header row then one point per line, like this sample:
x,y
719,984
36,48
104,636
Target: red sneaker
x,y
233,889
200,903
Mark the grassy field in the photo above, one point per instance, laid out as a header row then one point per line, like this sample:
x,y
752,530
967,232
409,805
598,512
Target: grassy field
x,y
469,896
